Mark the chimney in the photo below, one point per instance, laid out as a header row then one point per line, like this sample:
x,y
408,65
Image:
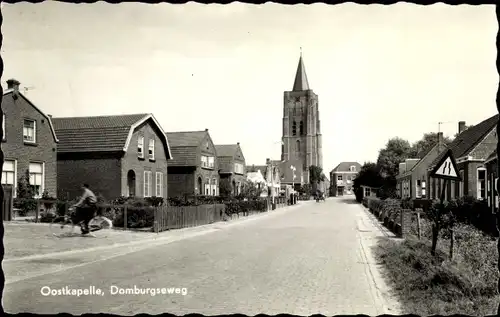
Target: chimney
x,y
50,116
238,143
461,126
440,139
206,130
268,161
13,84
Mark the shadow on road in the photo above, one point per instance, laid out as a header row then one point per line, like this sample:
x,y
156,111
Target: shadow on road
x,y
349,200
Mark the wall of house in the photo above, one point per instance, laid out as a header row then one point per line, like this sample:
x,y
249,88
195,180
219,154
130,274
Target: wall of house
x,y
471,183
486,147
181,181
207,148
492,174
131,161
101,172
14,148
345,183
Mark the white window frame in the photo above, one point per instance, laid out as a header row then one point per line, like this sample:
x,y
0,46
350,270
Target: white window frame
x,y
34,131
418,189
42,185
214,186
151,149
204,161
159,184
4,176
478,187
353,168
339,177
461,185
140,147
207,186
367,192
147,181
211,162
3,127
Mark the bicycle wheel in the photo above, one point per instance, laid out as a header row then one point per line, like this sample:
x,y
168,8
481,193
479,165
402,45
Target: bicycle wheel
x,y
61,226
99,223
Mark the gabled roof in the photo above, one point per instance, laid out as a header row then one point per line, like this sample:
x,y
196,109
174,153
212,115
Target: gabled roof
x,y
346,167
102,133
491,157
226,149
465,142
185,146
49,120
301,83
422,155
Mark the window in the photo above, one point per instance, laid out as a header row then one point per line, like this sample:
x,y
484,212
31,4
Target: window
x,y
481,183
423,189
301,128
159,184
151,151
3,126
353,168
339,177
367,192
461,185
418,192
207,186
204,161
238,168
9,174
36,178
298,146
29,131
211,161
214,187
147,183
140,147
294,128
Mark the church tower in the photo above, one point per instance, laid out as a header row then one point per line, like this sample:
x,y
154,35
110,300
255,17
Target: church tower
x,y
301,124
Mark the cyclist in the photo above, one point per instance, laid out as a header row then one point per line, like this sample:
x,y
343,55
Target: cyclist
x,y
85,208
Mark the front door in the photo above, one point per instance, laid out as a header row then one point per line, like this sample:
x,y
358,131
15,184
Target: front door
x,y
340,191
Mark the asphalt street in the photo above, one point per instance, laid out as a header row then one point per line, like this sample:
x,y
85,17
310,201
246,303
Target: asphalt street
x,y
310,259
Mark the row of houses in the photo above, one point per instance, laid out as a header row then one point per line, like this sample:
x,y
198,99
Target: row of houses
x,y
122,155
474,150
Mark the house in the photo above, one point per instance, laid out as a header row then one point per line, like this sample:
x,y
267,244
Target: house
x,y
29,143
470,149
122,155
194,170
413,177
342,178
258,180
231,165
271,173
369,191
292,173
491,164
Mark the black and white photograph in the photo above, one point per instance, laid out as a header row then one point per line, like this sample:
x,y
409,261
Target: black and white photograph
x,y
333,159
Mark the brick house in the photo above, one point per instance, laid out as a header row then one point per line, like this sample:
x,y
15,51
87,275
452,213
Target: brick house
x,y
195,167
491,164
470,149
123,155
413,177
29,143
342,178
231,165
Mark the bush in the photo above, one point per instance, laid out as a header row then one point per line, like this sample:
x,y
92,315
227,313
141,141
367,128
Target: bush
x,y
49,201
25,205
237,206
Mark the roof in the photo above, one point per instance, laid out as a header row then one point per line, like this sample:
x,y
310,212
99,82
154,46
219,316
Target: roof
x,y
491,157
49,119
465,142
185,146
346,167
255,168
301,83
423,154
226,149
101,133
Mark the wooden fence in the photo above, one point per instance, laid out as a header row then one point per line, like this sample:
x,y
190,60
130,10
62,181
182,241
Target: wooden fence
x,y
169,217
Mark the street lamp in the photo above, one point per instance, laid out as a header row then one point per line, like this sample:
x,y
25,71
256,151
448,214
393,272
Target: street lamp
x,y
272,174
293,177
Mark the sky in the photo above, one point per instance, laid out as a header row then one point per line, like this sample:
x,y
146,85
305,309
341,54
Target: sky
x,y
379,71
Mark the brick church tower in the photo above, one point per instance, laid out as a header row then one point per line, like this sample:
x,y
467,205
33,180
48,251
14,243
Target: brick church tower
x,y
301,124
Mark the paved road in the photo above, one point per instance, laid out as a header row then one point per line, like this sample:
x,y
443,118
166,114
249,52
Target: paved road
x,y
306,260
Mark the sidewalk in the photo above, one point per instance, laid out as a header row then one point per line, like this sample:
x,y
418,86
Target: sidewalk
x,y
27,240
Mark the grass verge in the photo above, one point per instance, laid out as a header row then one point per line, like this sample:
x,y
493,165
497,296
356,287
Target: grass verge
x,y
434,285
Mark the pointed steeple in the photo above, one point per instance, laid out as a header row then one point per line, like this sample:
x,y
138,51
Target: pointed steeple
x,y
301,82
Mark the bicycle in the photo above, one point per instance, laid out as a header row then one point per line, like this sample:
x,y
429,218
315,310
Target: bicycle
x,y
65,225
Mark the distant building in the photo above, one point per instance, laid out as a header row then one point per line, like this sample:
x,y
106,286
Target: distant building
x,y
231,165
342,178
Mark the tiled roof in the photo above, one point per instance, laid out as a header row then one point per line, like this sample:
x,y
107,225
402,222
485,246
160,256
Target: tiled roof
x,y
492,156
94,134
185,146
345,167
468,139
226,149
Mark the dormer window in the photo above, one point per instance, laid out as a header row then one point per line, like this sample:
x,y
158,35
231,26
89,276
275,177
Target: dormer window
x,y
353,168
140,147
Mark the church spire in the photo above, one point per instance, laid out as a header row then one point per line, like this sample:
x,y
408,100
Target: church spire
x,y
301,82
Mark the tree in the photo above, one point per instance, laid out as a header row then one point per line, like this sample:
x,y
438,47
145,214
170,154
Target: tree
x,y
395,151
249,190
316,176
369,175
428,141
24,189
225,187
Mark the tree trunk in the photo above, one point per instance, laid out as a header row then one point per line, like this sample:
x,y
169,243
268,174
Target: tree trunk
x,y
435,235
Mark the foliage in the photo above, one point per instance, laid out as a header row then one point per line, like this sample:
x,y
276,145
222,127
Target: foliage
x,y
246,206
48,201
225,187
249,190
316,174
24,190
428,141
305,190
368,176
395,151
